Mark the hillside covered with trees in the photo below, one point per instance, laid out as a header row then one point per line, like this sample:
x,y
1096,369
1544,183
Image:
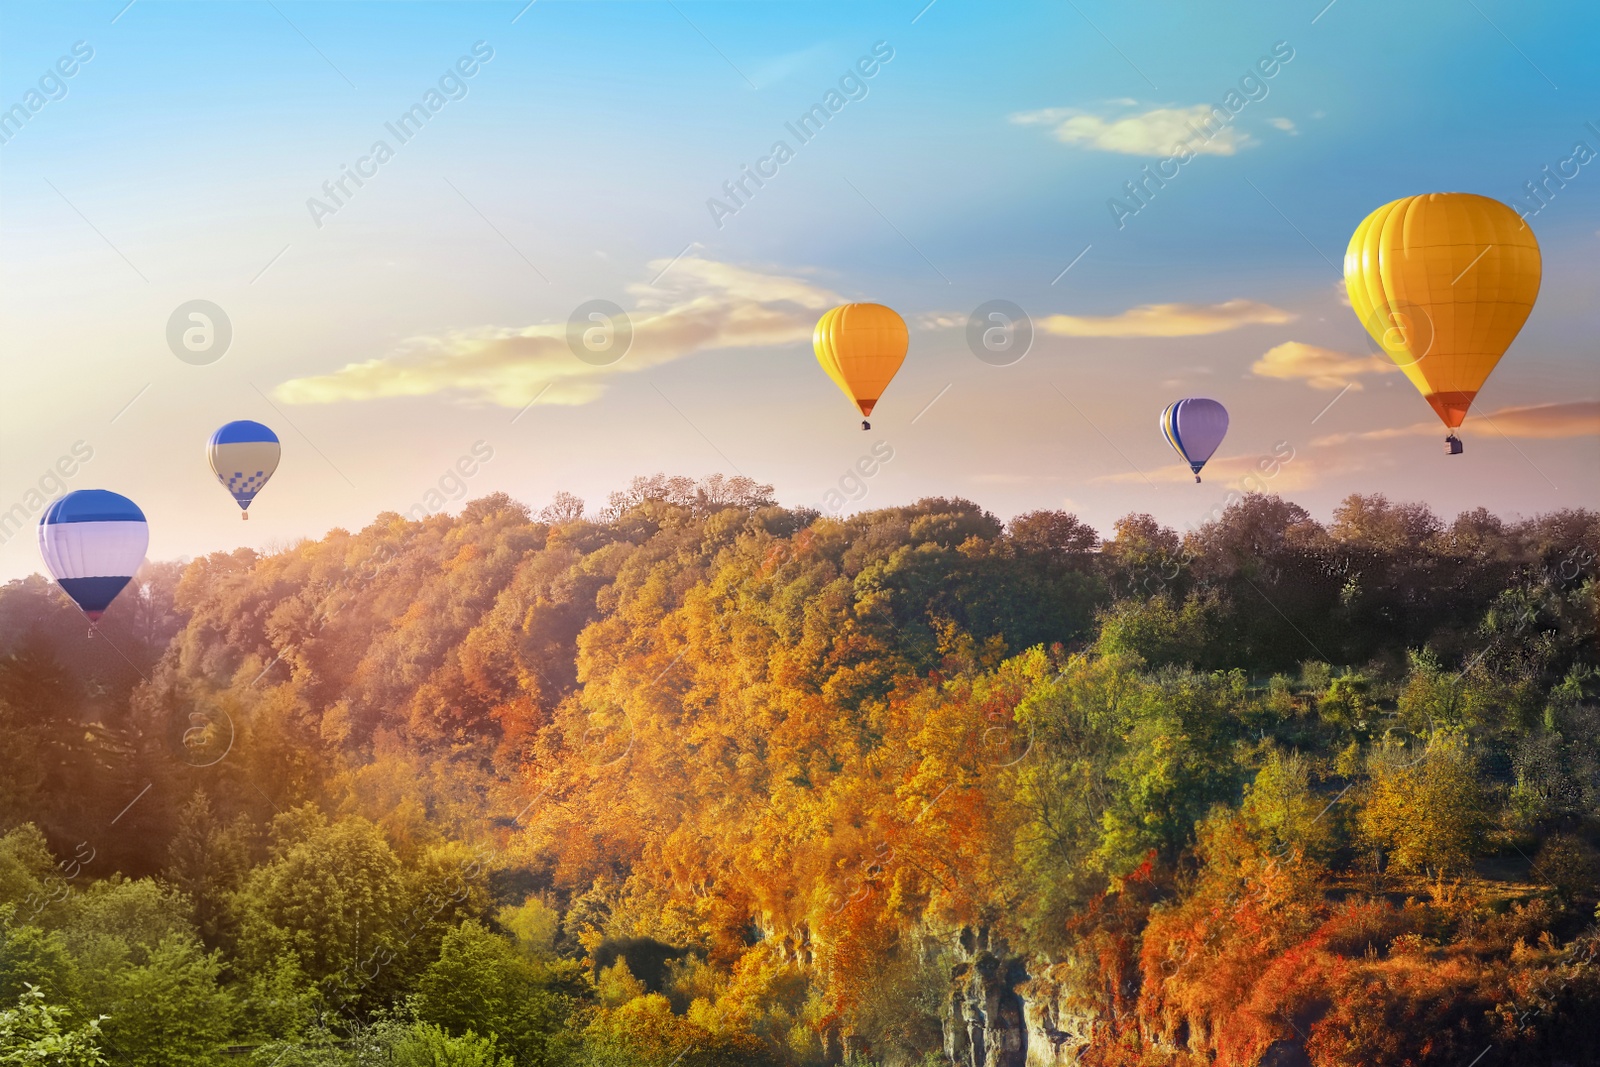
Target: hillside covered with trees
x,y
694,779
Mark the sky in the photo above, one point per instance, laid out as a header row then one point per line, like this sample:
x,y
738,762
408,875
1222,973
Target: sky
x,y
398,330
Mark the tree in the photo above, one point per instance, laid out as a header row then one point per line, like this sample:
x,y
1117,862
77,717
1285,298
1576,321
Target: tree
x,y
800,754
1282,812
564,507
1427,811
30,878
118,925
278,1001
336,898
207,861
170,1011
536,925
1155,630
36,1033
31,958
481,984
1374,522
1056,533
644,1032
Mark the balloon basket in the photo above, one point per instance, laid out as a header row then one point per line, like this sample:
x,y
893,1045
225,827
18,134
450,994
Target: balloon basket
x,y
865,425
1452,445
244,515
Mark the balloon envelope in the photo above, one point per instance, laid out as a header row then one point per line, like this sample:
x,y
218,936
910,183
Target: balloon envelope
x,y
861,346
243,456
93,541
1194,428
1443,282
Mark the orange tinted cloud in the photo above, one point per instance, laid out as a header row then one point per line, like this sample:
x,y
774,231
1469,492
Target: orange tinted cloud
x,y
698,305
1168,320
1574,418
1320,368
1577,418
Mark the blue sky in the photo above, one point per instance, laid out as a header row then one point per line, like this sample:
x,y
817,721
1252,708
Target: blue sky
x,y
579,163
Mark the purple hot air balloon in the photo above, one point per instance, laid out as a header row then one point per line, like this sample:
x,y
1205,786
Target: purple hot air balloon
x,y
1194,428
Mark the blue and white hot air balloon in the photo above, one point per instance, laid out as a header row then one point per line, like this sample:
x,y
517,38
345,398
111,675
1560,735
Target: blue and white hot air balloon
x,y
1194,428
243,454
93,541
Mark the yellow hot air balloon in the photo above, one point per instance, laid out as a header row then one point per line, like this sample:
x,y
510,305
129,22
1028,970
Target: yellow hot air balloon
x,y
1443,282
861,346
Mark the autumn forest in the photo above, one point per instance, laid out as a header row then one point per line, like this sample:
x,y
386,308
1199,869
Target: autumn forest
x,y
689,778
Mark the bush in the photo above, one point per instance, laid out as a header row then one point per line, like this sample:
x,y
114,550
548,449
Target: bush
x,y
1569,865
426,1045
32,1033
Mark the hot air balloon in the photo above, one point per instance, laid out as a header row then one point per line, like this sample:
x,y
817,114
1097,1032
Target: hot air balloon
x,y
861,346
1194,428
243,454
1443,282
93,541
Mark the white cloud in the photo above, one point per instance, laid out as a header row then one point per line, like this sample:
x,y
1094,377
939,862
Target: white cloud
x,y
696,306
1286,125
1157,133
1320,368
1168,320
939,320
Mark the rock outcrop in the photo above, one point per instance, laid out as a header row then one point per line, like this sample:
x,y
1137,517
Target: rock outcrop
x,y
984,1022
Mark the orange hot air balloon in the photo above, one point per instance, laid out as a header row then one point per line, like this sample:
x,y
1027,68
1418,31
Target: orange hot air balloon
x,y
861,346
1443,282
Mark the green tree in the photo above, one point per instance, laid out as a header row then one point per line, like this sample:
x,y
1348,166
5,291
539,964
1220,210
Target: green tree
x,y
1281,810
35,958
535,923
170,1011
119,923
207,861
1118,765
35,1034
336,898
1153,629
481,983
30,877
1347,704
279,1001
